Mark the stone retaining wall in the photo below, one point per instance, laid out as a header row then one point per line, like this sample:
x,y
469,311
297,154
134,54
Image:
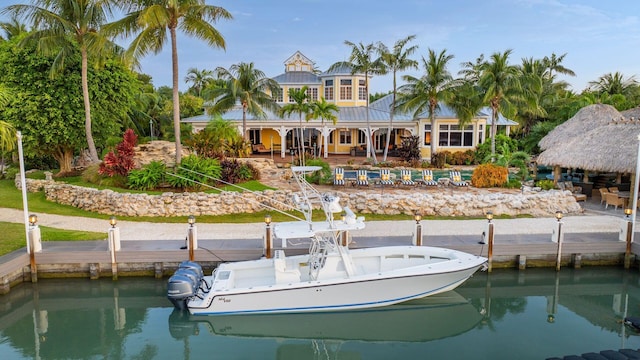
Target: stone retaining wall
x,y
543,203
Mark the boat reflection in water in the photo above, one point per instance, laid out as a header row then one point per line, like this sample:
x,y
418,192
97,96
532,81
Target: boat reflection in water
x,y
436,317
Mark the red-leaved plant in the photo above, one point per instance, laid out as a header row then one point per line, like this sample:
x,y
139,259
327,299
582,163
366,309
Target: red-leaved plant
x,y
121,161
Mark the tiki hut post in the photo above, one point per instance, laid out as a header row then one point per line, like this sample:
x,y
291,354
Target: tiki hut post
x,y
557,174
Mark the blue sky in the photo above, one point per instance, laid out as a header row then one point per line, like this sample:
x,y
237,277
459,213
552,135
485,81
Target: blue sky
x,y
598,36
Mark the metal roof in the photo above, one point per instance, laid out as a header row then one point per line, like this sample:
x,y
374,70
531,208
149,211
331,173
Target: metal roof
x,y
297,77
443,112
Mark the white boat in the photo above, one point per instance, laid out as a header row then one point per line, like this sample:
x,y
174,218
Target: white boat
x,y
331,277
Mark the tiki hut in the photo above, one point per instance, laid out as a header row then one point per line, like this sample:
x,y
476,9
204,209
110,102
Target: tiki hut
x,y
598,138
589,117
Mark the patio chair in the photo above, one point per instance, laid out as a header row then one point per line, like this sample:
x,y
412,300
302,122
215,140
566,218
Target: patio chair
x,y
576,191
603,195
614,200
427,178
405,178
362,178
456,179
385,177
338,176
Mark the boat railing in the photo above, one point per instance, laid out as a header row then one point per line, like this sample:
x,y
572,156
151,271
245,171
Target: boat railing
x,y
317,256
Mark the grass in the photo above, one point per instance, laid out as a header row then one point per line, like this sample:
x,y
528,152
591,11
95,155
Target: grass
x,y
14,238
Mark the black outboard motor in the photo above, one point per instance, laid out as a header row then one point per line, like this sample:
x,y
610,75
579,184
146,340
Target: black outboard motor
x,y
184,284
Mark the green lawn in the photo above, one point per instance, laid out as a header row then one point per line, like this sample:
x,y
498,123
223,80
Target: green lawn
x,y
13,236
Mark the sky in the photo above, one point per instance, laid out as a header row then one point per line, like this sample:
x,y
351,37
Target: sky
x,y
598,37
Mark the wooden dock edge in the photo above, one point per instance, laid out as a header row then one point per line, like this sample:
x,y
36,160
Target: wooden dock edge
x,y
162,263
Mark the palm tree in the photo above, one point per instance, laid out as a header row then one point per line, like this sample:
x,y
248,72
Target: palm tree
x,y
553,63
12,28
394,61
199,80
426,92
61,25
362,61
325,111
155,20
247,85
301,106
613,83
501,84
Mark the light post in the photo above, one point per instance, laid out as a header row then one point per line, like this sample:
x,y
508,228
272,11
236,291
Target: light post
x,y
627,231
35,245
487,238
192,237
268,241
114,245
558,238
418,239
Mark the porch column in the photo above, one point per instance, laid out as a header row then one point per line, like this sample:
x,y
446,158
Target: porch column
x,y
325,132
282,131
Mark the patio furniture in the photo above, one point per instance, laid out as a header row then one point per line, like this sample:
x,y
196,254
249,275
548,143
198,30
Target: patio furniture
x,y
427,178
260,149
614,200
385,177
603,194
614,189
338,176
576,191
405,178
362,178
456,179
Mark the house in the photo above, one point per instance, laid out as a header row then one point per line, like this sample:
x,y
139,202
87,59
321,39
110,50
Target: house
x,y
348,136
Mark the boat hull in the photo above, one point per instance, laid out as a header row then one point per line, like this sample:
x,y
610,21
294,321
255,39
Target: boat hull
x,y
357,292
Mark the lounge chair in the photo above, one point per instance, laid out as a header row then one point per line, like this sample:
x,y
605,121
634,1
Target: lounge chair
x,y
576,191
362,178
405,178
385,177
614,200
338,176
427,178
456,179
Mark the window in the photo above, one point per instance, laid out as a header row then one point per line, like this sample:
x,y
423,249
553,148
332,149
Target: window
x,y
312,93
480,133
427,134
328,89
453,135
331,135
279,96
290,98
362,137
345,89
362,90
345,137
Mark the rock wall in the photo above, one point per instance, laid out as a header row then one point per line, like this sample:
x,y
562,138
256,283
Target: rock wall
x,y
543,203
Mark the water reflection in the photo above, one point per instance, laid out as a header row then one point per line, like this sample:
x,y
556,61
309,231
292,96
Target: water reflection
x,y
539,313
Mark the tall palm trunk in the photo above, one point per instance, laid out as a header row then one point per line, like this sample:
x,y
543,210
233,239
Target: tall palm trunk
x,y
176,95
433,103
494,128
369,132
393,110
87,107
244,120
301,142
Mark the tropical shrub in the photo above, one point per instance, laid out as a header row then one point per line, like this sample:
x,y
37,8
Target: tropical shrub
x,y
438,160
194,172
489,175
410,149
322,176
545,184
149,177
513,184
233,171
121,161
483,151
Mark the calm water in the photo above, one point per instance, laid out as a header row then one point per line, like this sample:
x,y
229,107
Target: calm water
x,y
532,314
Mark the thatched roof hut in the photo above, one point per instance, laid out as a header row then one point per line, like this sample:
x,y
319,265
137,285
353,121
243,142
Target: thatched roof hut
x,y
609,148
588,118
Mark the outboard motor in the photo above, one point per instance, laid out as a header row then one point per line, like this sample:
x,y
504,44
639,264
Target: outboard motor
x,y
184,283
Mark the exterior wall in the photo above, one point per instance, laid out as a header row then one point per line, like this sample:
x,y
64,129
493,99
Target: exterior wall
x,y
437,136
